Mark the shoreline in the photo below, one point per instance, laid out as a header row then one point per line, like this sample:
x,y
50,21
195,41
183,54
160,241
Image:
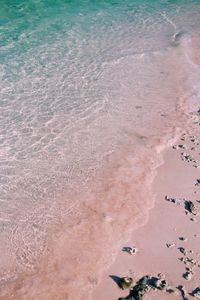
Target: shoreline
x,y
51,276
109,215
167,222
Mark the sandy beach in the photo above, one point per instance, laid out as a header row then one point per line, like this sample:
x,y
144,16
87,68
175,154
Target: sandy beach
x,y
169,242
99,149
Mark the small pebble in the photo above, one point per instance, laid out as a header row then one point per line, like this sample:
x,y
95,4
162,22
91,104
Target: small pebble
x,y
182,250
181,238
170,245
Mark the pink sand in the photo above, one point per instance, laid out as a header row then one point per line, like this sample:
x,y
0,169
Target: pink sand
x,y
166,223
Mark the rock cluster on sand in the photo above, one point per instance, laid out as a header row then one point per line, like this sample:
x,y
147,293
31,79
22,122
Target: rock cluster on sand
x,y
144,285
138,290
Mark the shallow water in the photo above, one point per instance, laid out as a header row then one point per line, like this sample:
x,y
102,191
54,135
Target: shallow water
x,y
89,91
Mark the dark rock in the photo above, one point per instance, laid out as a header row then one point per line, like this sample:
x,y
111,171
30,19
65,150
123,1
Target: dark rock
x,y
144,285
187,157
182,250
189,206
197,181
187,275
130,250
196,292
160,284
139,290
125,282
183,291
170,245
173,200
181,238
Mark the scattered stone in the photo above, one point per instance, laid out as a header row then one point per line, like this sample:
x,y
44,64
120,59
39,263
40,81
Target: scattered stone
x,y
139,290
188,260
182,259
173,200
196,293
144,285
193,219
130,250
194,140
189,206
181,238
182,250
181,146
170,245
187,157
125,282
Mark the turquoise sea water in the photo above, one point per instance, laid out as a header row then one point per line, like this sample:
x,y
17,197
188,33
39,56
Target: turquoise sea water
x,y
80,80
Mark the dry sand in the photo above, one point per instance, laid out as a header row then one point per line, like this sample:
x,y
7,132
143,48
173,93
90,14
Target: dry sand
x,y
167,222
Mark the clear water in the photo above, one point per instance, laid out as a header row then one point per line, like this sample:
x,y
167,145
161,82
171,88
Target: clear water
x,y
81,82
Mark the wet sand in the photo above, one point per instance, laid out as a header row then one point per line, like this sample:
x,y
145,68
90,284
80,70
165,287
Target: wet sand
x,y
167,222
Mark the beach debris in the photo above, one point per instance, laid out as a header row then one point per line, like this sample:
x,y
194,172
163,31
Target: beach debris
x,y
170,245
196,293
130,250
183,239
190,207
187,275
183,291
193,219
125,282
197,182
182,250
